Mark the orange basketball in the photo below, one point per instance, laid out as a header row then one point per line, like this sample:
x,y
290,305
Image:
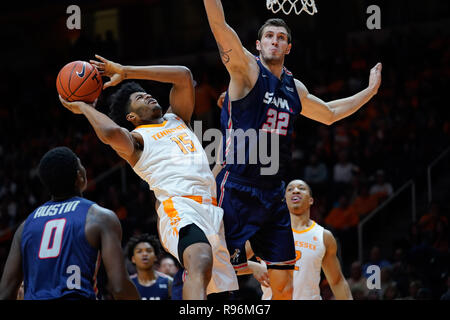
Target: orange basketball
x,y
79,81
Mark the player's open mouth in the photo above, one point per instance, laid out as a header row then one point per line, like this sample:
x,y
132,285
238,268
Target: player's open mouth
x,y
296,199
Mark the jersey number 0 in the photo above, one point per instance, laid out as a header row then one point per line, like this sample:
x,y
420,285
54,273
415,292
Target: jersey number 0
x,y
51,240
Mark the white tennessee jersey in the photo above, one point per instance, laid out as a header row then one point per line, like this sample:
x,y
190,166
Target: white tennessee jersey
x,y
309,250
173,161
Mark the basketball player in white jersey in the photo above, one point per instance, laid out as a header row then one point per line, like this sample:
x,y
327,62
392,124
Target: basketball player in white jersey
x,y
165,153
315,249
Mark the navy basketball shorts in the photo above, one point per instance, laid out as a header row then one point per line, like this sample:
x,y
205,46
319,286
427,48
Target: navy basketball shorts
x,y
259,215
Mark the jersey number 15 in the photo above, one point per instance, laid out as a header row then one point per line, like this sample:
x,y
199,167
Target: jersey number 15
x,y
185,145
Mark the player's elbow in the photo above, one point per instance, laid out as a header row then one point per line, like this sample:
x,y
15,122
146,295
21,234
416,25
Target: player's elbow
x,y
185,73
118,293
325,115
124,290
217,23
221,30
335,281
329,119
331,116
109,134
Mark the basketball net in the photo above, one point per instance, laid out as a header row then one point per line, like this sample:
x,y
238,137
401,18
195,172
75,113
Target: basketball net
x,y
288,5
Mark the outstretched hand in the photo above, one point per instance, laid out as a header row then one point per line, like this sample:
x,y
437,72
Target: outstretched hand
x,y
109,69
375,78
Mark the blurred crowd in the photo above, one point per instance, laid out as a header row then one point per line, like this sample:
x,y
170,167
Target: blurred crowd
x,y
352,166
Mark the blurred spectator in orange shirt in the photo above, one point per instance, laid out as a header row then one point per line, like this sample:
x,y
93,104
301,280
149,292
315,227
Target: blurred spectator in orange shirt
x,y
365,202
430,219
342,216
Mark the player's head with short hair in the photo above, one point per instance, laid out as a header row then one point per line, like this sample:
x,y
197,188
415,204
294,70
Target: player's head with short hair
x,y
62,173
275,22
298,197
132,106
143,250
274,41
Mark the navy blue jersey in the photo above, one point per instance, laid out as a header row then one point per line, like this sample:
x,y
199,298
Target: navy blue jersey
x,y
177,285
57,260
271,106
157,291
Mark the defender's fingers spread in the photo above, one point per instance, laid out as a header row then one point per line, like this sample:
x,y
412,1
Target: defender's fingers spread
x,y
100,58
96,63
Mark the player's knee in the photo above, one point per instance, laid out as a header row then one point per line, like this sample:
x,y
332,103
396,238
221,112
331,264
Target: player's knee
x,y
283,287
203,264
198,261
288,291
281,284
282,291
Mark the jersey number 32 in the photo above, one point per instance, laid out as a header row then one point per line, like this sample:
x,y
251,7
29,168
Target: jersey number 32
x,y
277,122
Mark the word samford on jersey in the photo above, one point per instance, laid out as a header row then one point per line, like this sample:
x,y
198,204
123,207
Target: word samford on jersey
x,y
271,106
250,194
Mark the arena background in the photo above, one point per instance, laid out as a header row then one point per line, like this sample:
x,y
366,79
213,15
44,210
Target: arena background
x,y
404,132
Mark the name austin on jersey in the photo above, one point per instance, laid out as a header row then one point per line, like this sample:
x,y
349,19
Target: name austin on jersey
x,y
57,208
276,101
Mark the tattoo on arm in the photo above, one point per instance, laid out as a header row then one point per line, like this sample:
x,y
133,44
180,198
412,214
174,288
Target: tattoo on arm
x,y
224,54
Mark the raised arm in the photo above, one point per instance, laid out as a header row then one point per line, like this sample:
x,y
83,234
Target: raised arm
x,y
332,269
330,112
120,139
182,94
12,274
240,63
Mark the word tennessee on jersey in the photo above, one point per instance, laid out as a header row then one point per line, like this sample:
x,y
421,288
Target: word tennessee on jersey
x,y
173,161
271,107
57,260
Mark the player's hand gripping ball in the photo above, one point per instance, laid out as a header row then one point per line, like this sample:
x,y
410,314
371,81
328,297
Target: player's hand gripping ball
x,y
79,81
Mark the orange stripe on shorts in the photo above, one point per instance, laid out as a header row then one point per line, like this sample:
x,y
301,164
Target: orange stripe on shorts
x,y
199,199
169,209
172,213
